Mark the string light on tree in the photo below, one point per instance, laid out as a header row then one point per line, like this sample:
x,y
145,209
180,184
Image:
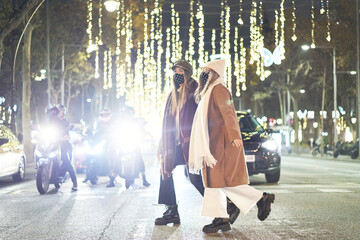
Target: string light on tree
x,y
213,42
328,37
312,25
240,21
293,37
322,9
282,31
100,42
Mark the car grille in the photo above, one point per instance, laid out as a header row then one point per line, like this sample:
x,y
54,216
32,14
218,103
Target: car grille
x,y
251,146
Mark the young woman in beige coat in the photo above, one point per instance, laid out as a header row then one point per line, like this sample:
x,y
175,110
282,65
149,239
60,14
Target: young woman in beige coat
x,y
216,149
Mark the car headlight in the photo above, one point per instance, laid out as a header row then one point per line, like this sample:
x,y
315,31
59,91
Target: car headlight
x,y
270,145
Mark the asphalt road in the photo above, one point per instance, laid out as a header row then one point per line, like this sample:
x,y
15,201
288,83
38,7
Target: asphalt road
x,y
315,199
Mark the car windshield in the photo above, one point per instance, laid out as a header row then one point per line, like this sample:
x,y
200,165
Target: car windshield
x,y
248,124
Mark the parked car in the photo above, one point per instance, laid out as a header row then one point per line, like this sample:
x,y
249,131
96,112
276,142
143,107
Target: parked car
x,y
262,155
12,157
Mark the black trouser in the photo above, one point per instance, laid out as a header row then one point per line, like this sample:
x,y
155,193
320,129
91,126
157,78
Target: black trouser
x,y
66,150
167,191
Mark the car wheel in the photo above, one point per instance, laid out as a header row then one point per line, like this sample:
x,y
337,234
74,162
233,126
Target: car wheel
x,y
273,177
20,175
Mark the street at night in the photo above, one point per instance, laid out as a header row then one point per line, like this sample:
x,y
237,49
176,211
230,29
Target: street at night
x,y
316,198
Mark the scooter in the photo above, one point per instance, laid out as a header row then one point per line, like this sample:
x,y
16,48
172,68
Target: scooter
x,y
347,149
48,159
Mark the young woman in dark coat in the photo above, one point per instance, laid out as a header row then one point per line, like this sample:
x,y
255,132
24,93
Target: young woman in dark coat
x,y
174,145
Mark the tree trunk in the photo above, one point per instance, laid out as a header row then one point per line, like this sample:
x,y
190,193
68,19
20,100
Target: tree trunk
x,y
26,94
281,106
296,125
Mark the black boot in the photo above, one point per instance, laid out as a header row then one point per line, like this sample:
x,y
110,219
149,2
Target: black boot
x,y
232,210
264,205
171,215
111,182
216,225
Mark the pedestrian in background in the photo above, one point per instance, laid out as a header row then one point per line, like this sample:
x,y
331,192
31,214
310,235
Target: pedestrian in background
x,y
216,149
174,145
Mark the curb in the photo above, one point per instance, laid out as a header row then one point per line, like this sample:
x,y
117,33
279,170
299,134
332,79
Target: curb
x,y
345,158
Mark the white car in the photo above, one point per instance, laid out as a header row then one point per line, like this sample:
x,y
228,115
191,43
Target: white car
x,y
12,158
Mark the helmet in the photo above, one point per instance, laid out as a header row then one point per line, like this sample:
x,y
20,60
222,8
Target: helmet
x,y
62,108
51,110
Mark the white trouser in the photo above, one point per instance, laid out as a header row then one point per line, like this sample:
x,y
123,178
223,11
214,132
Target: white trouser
x,y
243,196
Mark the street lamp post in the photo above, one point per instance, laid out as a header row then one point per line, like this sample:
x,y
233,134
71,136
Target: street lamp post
x,y
307,47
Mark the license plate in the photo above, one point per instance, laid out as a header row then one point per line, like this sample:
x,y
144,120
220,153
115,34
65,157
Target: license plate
x,y
249,158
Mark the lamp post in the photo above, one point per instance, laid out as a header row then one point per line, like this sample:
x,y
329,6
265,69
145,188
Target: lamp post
x,y
307,47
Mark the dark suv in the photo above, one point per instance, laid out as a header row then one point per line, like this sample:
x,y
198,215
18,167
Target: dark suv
x,y
262,154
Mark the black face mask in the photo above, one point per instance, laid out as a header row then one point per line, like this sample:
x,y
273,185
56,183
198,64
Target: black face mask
x,y
204,77
178,79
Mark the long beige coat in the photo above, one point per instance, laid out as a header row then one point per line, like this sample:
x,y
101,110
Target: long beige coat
x,y
230,169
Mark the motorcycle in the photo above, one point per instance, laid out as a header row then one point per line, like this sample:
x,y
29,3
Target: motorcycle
x,y
355,151
347,149
327,150
129,152
96,164
48,159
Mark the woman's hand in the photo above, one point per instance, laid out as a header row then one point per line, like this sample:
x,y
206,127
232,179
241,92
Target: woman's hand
x,y
237,143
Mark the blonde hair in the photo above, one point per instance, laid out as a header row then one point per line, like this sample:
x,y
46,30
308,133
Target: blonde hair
x,y
178,95
202,88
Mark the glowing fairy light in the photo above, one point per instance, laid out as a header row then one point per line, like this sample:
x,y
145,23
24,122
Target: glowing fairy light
x,y
120,80
190,53
293,37
312,25
109,60
200,17
282,30
97,69
89,21
168,72
260,63
227,46
276,27
178,42
222,25
99,22
237,62
322,9
160,50
213,41
174,56
240,21
139,81
105,86
242,64
254,55
129,46
328,37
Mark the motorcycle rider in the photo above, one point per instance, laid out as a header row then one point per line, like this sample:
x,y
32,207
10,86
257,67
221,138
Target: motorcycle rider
x,y
53,114
104,131
128,117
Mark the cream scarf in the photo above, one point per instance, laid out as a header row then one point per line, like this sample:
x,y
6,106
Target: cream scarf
x,y
199,152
